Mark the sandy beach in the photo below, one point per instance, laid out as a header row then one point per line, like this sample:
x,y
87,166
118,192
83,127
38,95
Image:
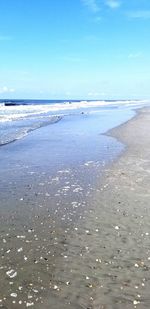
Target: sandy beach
x,y
100,258
75,154
110,268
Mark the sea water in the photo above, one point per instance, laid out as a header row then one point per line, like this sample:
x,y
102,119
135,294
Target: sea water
x,y
27,115
45,137
57,134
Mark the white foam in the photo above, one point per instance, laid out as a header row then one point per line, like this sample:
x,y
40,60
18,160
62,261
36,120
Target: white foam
x,y
18,112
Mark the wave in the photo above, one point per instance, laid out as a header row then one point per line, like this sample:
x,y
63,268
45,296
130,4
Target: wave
x,y
18,112
9,136
18,120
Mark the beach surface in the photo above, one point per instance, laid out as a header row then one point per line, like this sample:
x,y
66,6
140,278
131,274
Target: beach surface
x,y
123,213
115,257
98,256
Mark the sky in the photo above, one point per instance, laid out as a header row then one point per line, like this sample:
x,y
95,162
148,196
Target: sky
x,y
75,49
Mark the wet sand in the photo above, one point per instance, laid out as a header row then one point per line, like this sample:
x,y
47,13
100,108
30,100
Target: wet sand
x,y
94,252
123,220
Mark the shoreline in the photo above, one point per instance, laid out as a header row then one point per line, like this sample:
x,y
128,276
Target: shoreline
x,y
115,133
111,262
126,194
101,259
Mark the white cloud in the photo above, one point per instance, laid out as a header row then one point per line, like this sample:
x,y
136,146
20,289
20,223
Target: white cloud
x,y
113,4
5,89
95,94
92,5
134,55
139,14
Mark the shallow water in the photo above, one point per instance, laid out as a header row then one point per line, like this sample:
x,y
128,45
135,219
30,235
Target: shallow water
x,y
19,120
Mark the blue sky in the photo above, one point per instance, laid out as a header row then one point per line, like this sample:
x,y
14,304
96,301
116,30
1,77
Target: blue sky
x,y
79,49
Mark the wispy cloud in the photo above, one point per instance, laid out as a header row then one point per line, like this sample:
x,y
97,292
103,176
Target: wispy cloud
x,y
135,55
6,89
139,14
113,4
97,19
92,5
96,94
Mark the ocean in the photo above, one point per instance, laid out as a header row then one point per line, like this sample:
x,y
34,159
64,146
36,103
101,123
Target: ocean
x,y
19,117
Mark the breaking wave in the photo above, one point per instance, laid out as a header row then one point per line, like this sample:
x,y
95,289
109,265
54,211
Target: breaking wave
x,y
18,118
